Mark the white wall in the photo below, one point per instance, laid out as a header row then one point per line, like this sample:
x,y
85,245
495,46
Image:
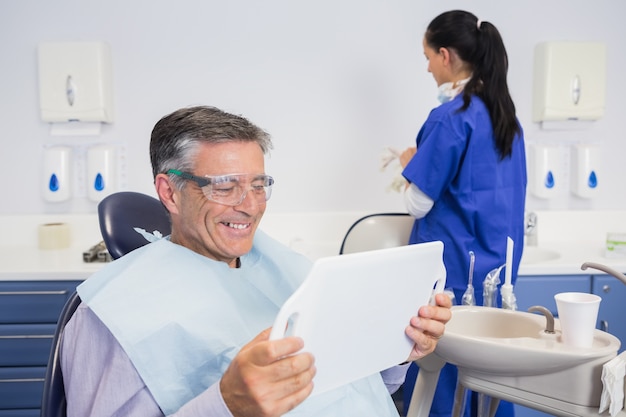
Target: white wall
x,y
334,82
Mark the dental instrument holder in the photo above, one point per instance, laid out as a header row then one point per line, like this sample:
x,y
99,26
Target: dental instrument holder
x,y
490,287
468,298
509,302
486,405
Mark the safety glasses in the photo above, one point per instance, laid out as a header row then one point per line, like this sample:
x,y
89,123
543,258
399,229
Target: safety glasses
x,y
231,189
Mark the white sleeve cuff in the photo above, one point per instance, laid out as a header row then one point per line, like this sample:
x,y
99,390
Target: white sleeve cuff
x,y
394,377
417,203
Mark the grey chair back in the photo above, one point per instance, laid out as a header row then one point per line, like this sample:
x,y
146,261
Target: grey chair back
x,y
378,231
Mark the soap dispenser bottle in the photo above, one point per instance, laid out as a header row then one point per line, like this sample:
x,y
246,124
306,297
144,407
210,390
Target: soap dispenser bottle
x,y
101,172
57,171
543,177
585,181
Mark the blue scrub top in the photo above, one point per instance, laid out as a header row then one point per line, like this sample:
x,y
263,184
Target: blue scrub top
x,y
478,198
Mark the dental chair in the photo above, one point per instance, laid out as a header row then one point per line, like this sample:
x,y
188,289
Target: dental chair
x,y
377,231
127,221
53,403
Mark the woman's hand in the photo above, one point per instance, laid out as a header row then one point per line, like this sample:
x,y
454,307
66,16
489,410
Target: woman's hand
x,y
406,156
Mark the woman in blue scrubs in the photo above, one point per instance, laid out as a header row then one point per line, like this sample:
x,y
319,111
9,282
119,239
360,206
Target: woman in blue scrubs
x,y
467,174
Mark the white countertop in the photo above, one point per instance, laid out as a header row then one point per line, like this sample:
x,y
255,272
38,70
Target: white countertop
x,y
28,264
21,259
570,258
575,236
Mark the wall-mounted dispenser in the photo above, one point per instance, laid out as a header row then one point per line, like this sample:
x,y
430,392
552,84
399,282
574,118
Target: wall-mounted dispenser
x,y
585,162
569,81
75,82
543,174
57,174
102,171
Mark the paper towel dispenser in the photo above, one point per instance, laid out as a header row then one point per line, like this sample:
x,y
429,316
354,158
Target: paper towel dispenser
x,y
75,82
569,81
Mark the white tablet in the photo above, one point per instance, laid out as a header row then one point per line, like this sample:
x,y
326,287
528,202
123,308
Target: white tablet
x,y
352,310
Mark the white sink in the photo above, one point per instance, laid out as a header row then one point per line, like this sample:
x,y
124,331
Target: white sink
x,y
512,343
534,255
509,353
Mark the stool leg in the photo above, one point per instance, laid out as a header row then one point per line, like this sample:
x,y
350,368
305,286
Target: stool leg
x,y
495,402
425,385
460,398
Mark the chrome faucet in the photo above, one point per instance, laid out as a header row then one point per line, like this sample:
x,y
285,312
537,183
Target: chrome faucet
x,y
549,317
530,228
604,268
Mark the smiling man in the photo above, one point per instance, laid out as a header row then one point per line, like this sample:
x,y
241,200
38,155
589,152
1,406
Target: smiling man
x,y
181,326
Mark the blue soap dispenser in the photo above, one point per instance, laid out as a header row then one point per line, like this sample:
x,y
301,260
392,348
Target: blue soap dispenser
x,y
56,181
585,179
102,171
543,161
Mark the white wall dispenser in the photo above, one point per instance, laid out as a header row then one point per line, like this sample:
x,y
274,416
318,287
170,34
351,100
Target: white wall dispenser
x,y
57,170
585,162
75,82
544,162
569,81
102,171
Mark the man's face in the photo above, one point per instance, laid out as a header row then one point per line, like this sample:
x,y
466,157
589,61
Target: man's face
x,y
218,231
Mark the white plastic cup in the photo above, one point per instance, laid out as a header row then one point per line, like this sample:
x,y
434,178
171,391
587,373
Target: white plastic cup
x,y
578,313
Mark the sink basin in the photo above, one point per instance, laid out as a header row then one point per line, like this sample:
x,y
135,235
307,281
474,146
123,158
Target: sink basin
x,y
534,255
507,354
513,343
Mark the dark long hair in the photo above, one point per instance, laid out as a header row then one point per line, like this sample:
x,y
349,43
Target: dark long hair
x,y
480,45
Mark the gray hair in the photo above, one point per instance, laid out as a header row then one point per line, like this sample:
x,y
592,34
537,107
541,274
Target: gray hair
x,y
176,137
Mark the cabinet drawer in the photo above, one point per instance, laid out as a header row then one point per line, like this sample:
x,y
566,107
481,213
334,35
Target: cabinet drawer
x,y
21,388
25,344
20,413
540,290
33,301
611,314
33,412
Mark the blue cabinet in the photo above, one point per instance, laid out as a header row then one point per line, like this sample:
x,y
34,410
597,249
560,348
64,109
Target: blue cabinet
x,y
612,310
29,311
540,290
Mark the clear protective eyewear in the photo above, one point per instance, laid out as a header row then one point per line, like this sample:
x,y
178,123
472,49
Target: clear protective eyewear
x,y
231,189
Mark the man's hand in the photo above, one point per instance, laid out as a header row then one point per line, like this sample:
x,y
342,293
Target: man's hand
x,y
429,326
267,378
